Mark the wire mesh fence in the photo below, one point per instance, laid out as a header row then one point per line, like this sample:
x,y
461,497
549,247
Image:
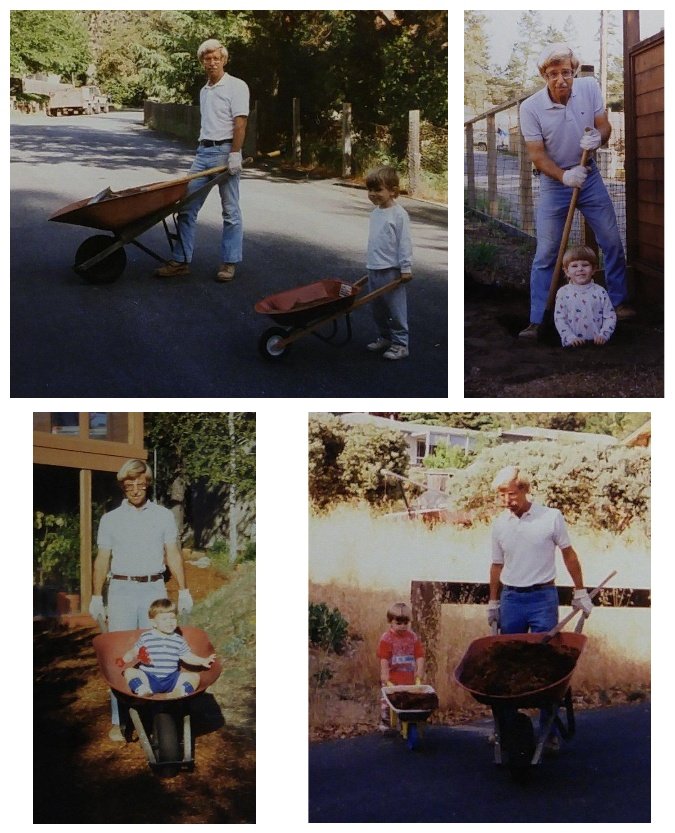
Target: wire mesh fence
x,y
501,184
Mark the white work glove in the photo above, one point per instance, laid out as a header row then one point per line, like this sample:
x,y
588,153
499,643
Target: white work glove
x,y
184,601
96,608
493,613
234,163
575,177
591,140
582,601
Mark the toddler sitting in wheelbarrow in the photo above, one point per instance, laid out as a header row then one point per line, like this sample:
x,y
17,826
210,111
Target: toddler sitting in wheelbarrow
x,y
155,658
401,655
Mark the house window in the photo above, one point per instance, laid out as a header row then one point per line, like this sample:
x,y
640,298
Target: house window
x,y
114,427
421,451
65,423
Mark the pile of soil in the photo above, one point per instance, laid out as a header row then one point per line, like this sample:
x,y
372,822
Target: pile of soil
x,y
513,667
413,700
499,364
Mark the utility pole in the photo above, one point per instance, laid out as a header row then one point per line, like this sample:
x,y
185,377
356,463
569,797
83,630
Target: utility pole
x,y
603,55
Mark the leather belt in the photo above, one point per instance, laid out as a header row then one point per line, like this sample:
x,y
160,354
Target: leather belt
x,y
531,587
155,577
209,143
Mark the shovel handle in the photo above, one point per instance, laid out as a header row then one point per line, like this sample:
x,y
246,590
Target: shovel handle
x,y
555,280
561,624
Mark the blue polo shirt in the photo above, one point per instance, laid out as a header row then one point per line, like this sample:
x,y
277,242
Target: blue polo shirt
x,y
561,126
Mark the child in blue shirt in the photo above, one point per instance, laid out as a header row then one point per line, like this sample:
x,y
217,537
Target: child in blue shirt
x,y
389,259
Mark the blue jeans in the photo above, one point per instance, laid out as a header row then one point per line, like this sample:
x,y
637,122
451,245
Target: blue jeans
x,y
596,206
231,244
390,310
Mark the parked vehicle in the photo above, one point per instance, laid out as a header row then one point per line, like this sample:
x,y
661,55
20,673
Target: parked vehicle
x,y
66,99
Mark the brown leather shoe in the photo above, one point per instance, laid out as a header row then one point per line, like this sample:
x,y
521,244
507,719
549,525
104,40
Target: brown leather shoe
x,y
531,332
172,269
624,312
225,273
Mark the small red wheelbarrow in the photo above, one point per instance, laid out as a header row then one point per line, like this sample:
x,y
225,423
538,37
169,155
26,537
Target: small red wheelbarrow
x,y
162,723
516,743
128,214
306,309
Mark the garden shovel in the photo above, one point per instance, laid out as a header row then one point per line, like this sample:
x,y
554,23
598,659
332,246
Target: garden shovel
x,y
549,636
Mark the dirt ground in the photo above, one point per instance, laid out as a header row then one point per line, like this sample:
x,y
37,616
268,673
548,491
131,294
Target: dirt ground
x,y
80,776
498,364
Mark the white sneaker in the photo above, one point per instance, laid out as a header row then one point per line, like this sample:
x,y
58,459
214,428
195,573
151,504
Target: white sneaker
x,y
396,351
382,343
115,734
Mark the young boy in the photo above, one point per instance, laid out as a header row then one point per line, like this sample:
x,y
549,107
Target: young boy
x,y
389,258
401,655
583,311
157,655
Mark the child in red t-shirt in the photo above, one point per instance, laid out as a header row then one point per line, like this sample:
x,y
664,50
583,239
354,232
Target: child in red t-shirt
x,y
401,654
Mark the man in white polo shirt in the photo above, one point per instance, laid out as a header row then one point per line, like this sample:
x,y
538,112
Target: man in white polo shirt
x,y
136,542
224,105
524,541
558,123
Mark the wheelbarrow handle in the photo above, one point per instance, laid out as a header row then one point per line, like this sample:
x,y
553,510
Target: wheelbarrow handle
x,y
213,171
561,624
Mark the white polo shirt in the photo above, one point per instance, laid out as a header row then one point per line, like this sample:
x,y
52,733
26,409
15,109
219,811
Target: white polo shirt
x,y
526,546
561,126
219,104
137,537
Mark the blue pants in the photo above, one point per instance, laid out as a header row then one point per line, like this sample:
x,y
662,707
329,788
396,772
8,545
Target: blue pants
x,y
596,206
390,310
231,243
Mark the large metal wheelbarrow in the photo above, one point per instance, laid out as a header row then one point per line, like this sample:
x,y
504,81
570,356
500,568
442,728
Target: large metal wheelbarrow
x,y
162,723
128,214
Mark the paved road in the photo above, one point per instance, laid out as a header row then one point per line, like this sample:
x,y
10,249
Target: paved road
x,y
602,775
193,337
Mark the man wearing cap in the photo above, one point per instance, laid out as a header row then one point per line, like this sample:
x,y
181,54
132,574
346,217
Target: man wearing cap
x,y
558,123
135,543
224,105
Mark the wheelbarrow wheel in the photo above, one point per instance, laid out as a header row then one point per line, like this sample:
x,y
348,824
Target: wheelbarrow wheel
x,y
165,735
106,270
269,346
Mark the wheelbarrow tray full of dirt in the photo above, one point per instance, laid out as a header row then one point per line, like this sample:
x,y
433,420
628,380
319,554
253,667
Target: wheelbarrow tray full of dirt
x,y
162,722
411,702
538,696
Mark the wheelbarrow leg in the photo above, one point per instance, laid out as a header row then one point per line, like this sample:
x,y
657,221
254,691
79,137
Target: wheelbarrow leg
x,y
142,735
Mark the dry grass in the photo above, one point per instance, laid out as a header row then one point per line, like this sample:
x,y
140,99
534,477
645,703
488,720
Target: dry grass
x,y
360,564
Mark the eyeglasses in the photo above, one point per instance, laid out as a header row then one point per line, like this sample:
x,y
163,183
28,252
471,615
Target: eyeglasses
x,y
564,73
135,487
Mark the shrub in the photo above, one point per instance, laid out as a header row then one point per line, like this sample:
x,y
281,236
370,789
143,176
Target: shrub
x,y
327,628
346,461
56,550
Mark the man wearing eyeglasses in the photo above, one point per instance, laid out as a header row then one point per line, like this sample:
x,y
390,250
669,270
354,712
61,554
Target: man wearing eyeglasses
x,y
135,543
560,121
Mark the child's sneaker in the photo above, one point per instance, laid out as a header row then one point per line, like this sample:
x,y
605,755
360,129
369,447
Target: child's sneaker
x,y
396,351
382,343
384,725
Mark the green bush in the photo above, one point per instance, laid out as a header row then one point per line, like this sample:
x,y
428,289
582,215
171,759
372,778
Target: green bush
x,y
346,461
56,550
327,628
447,456
599,488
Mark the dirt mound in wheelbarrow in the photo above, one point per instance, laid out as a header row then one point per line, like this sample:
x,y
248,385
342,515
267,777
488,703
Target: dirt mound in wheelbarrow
x,y
413,700
513,667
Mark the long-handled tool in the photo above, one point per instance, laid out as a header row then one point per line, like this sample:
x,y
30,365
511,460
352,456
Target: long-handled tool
x,y
555,280
549,636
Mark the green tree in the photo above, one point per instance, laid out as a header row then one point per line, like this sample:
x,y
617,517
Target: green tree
x,y
49,41
476,62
